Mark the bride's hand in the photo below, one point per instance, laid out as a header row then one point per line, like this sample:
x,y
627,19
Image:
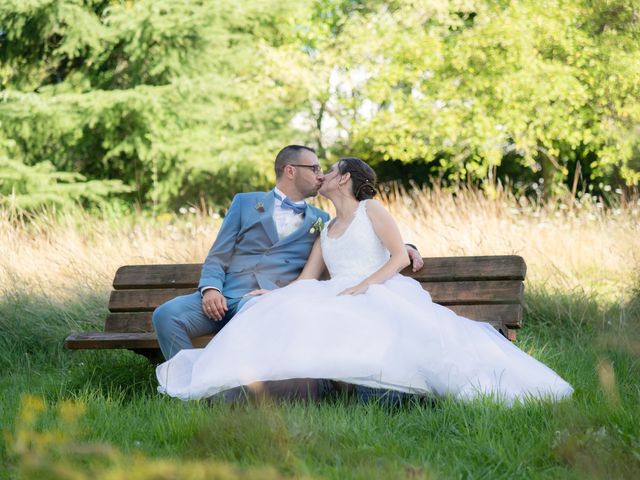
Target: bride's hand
x,y
260,291
357,290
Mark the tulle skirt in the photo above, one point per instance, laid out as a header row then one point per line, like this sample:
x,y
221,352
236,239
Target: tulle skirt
x,y
393,336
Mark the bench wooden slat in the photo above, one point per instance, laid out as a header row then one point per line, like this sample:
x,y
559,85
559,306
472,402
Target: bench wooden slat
x,y
436,269
133,341
445,293
143,300
509,315
186,275
475,292
451,269
130,322
111,340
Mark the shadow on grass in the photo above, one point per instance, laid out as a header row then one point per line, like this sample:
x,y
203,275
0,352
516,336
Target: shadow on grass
x,y
32,333
113,373
562,312
33,327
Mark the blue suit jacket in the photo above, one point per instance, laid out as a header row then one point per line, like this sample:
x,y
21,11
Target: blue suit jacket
x,y
247,253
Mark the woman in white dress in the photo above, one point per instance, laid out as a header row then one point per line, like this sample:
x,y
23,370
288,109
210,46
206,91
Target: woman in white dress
x,y
368,325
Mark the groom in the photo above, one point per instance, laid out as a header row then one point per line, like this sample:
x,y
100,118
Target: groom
x,y
263,243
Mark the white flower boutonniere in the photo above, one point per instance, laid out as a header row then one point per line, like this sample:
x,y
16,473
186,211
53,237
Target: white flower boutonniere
x,y
317,226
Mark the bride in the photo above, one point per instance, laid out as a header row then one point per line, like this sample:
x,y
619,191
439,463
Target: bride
x,y
368,325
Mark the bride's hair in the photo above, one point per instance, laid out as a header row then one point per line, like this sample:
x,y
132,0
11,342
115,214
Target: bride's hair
x,y
363,178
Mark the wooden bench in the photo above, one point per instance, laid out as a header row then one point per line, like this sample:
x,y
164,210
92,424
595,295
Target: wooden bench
x,y
487,288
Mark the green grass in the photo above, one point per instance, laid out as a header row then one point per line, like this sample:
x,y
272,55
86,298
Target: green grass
x,y
593,435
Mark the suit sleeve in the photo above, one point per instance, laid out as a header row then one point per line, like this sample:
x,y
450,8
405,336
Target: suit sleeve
x,y
215,265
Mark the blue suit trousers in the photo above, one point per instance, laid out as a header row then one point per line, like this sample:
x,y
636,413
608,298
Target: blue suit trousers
x,y
182,318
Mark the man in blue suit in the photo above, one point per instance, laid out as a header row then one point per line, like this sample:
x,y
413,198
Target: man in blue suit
x,y
263,243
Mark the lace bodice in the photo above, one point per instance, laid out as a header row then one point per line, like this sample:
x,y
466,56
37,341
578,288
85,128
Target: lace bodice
x,y
358,252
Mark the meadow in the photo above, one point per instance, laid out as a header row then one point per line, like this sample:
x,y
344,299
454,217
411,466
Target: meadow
x,y
97,414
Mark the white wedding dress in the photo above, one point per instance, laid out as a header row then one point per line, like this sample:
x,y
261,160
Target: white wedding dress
x,y
393,336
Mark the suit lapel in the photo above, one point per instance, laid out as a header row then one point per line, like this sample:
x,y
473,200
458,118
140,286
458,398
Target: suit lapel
x,y
309,218
266,217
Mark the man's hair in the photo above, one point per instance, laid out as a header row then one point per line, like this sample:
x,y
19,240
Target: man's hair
x,y
289,154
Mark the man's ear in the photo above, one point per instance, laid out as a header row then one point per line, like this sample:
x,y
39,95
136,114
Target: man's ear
x,y
288,171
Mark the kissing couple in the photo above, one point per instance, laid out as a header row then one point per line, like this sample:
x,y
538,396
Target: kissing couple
x,y
367,325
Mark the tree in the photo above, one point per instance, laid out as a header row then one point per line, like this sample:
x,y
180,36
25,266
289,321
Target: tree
x,y
464,85
168,96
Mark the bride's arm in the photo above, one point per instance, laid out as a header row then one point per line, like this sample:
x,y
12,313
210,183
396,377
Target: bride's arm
x,y
385,227
315,266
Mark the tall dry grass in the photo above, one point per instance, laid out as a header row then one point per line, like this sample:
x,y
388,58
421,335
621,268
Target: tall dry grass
x,y
566,245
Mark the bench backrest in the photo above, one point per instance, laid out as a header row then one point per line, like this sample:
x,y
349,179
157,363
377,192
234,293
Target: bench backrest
x,y
486,288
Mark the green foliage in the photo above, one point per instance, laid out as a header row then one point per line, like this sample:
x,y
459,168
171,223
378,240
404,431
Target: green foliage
x,y
463,84
190,100
166,96
31,188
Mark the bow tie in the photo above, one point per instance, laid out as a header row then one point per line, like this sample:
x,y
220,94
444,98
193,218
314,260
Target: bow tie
x,y
288,204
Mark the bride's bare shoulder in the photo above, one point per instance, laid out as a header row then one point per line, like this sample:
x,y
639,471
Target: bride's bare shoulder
x,y
375,209
372,203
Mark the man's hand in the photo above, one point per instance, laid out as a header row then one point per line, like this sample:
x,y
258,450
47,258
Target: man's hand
x,y
416,259
357,290
214,305
260,291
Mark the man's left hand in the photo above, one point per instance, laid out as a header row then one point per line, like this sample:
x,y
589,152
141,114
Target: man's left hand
x,y
416,259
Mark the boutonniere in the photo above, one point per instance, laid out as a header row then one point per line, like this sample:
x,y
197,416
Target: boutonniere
x,y
259,207
317,226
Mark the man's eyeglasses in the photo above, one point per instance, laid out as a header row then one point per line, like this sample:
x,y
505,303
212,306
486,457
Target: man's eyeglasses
x,y
315,168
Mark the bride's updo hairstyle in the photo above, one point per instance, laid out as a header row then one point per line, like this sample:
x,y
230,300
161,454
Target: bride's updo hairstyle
x,y
363,178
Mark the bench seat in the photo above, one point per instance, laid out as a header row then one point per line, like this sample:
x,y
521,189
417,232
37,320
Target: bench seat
x,y
483,288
